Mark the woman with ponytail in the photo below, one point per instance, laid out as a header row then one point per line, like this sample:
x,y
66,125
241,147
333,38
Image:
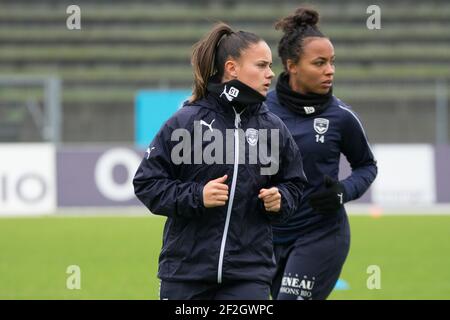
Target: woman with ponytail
x,y
312,245
208,171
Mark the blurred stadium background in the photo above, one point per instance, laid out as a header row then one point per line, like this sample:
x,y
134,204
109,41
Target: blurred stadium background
x,y
75,104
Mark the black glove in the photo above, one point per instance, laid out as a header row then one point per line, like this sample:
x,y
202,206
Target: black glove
x,y
329,200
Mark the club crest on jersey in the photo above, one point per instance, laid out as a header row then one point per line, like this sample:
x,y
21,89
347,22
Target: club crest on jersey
x,y
252,136
321,125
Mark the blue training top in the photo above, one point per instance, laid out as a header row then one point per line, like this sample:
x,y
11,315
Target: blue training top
x,y
322,138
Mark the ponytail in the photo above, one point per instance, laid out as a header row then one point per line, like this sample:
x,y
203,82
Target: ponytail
x,y
203,59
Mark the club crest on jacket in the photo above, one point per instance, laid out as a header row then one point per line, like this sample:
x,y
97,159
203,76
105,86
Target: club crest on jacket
x,y
252,136
321,125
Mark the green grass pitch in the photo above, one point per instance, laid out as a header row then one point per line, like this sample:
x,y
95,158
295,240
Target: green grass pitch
x,y
118,257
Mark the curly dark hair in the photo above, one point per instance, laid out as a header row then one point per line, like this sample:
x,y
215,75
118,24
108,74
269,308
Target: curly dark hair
x,y
302,24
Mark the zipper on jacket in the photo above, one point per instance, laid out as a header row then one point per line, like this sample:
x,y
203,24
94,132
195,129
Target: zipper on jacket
x,y
237,122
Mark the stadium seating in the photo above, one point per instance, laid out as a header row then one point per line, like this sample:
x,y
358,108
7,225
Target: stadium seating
x,y
388,75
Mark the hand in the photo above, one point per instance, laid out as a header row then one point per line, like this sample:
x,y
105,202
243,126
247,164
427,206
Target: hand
x,y
329,200
271,198
215,193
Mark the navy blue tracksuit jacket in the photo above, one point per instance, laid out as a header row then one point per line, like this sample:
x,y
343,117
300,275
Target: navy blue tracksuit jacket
x,y
230,242
322,138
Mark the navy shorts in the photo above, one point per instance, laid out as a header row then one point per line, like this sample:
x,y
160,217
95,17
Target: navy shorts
x,y
197,290
310,267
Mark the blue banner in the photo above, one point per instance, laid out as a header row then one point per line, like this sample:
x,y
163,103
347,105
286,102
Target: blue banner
x,y
152,109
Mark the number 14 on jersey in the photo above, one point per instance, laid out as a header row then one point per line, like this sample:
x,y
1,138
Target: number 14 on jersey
x,y
320,138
